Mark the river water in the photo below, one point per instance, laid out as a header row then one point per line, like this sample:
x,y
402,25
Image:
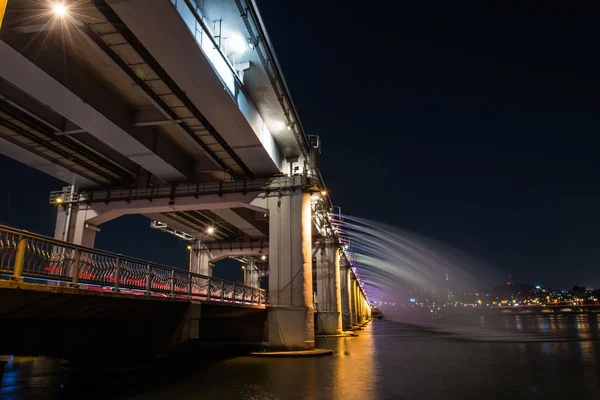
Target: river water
x,y
494,357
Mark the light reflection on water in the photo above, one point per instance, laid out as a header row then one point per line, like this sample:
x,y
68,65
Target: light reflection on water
x,y
388,360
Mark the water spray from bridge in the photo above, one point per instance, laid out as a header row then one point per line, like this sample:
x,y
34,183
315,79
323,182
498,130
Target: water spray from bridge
x,y
390,262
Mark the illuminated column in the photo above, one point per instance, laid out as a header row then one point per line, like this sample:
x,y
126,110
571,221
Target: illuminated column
x,y
290,311
345,285
200,259
329,302
353,301
362,317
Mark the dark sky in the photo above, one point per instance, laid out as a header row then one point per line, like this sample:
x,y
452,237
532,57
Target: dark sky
x,y
476,127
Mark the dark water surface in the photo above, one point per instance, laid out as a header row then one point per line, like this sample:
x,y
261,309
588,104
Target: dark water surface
x,y
502,357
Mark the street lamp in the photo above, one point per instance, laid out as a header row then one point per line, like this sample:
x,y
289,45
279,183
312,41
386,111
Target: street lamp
x,y
244,269
189,247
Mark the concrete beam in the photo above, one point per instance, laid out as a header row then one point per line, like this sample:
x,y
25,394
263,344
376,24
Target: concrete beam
x,y
112,210
236,220
87,103
26,157
151,117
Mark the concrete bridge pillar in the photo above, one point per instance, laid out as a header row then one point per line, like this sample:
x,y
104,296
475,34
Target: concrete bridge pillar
x,y
200,259
354,300
329,302
252,276
345,285
361,308
72,225
290,312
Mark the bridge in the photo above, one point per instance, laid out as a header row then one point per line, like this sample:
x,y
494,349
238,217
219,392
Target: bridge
x,y
179,111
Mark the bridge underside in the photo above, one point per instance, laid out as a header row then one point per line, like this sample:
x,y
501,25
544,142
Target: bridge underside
x,y
81,326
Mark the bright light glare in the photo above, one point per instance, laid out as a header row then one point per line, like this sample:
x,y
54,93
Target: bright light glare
x,y
276,126
210,230
59,9
237,43
323,193
189,247
59,200
263,258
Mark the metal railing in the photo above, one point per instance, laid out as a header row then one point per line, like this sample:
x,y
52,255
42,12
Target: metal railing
x,y
26,255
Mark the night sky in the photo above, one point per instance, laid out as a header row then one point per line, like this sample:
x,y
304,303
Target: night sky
x,y
475,127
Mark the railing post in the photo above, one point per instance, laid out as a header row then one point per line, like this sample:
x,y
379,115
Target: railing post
x,y
172,283
209,289
243,294
149,280
117,274
19,260
259,297
233,292
76,266
222,290
190,286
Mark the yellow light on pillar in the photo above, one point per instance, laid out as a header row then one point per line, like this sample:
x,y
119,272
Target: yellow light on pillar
x,y
2,10
189,247
59,200
323,192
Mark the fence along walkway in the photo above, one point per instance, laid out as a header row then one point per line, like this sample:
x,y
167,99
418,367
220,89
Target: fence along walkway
x,y
28,255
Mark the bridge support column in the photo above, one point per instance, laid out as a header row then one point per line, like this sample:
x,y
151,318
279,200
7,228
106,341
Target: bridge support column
x,y
345,285
354,300
252,277
200,259
290,312
362,307
329,302
72,226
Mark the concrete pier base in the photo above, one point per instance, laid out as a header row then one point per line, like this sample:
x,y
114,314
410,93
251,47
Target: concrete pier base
x,y
346,321
328,323
300,353
290,328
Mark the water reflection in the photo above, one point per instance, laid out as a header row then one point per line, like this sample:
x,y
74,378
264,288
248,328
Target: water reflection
x,y
388,360
27,377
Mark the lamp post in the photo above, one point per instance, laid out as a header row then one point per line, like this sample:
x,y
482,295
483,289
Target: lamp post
x,y
190,249
244,269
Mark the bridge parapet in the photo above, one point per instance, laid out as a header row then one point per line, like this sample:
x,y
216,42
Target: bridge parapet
x,y
29,256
